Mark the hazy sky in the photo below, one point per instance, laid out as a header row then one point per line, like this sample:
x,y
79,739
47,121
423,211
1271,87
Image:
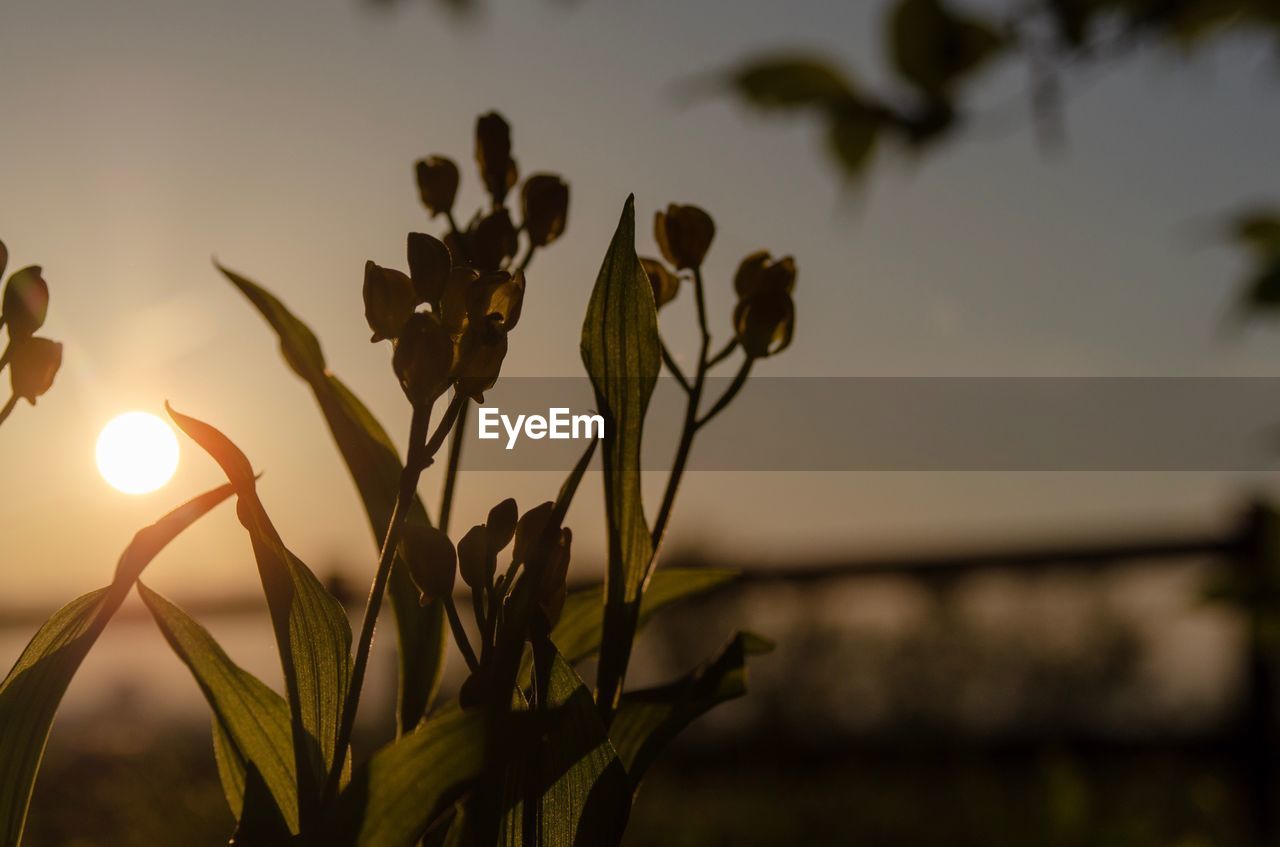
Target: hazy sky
x,y
140,138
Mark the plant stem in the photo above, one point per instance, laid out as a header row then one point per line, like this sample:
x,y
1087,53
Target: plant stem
x,y
451,470
6,355
460,634
670,362
8,408
690,421
739,380
724,353
418,458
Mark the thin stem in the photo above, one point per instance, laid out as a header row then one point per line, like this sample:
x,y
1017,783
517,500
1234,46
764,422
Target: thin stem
x,y
528,257
724,353
739,379
6,355
418,458
460,634
670,362
8,408
690,427
451,470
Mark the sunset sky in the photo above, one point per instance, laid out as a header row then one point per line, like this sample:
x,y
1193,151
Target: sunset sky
x,y
139,139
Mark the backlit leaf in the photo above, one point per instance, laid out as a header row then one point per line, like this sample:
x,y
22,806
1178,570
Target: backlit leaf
x,y
622,354
31,693
375,467
792,81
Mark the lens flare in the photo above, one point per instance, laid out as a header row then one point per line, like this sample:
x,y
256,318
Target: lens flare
x,y
137,453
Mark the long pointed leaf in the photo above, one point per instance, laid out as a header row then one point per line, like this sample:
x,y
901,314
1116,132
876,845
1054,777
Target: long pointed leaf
x,y
31,693
394,797
648,720
375,467
622,354
252,719
311,627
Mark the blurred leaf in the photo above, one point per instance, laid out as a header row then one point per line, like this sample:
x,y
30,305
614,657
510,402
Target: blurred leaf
x,y
852,132
252,719
1259,231
934,47
577,635
311,627
621,351
1262,291
648,720
569,788
394,797
792,81
375,467
30,694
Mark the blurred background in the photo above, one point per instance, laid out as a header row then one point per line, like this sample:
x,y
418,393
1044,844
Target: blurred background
x,y
1056,657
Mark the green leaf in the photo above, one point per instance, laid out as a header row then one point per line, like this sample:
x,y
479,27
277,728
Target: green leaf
x,y
577,635
311,627
570,788
648,720
622,354
852,133
791,82
375,468
31,693
252,720
934,47
393,798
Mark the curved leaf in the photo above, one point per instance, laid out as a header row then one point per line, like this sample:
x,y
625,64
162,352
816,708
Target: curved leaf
x,y
648,720
311,627
251,720
375,468
622,355
31,693
393,798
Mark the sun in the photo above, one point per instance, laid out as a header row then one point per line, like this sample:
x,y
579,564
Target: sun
x,y
137,453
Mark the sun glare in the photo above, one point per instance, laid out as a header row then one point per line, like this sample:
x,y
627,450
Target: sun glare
x,y
137,453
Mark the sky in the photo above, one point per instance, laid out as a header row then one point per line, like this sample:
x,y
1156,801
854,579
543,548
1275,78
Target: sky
x,y
141,139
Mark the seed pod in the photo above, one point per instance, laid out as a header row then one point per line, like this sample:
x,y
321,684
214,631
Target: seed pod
x,y
666,285
431,558
759,273
544,202
429,266
437,184
474,559
493,241
500,526
764,323
684,235
25,304
389,299
529,530
423,358
493,155
34,364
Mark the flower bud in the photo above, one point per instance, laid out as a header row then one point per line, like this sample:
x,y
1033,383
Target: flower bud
x,y
684,235
478,361
553,589
475,560
431,558
429,266
759,273
500,526
529,531
493,155
544,201
389,300
493,241
423,358
25,304
666,285
457,293
494,302
437,184
33,366
764,323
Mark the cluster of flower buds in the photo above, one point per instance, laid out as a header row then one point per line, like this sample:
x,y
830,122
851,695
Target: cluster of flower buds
x,y
33,361
764,318
449,317
491,240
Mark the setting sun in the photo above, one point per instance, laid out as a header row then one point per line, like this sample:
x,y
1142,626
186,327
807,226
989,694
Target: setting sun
x,y
137,453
